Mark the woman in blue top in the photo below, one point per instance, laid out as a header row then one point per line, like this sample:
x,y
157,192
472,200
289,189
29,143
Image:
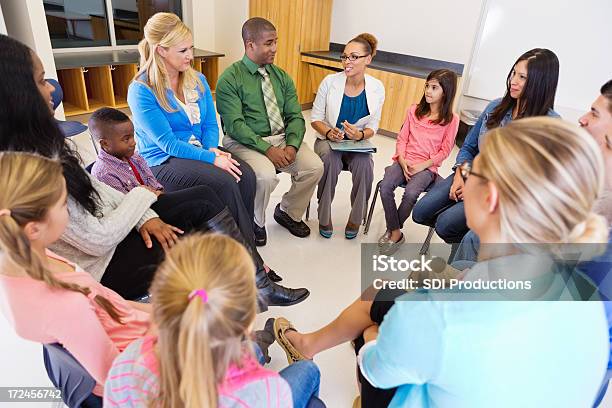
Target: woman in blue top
x,y
535,182
177,134
175,120
530,91
347,107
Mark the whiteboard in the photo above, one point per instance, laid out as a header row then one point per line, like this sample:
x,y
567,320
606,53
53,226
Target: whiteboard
x,y
579,32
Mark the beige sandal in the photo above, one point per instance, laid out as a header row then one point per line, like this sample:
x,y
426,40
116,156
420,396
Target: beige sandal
x,y
281,326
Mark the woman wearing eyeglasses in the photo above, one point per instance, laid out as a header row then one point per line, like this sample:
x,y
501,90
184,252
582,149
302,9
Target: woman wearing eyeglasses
x,y
347,107
534,182
530,91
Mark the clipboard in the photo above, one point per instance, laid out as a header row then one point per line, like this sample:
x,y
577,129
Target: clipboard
x,y
352,146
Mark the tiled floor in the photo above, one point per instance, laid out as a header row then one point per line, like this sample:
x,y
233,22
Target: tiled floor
x,y
328,267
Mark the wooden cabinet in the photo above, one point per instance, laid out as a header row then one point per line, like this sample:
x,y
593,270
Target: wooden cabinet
x,y
89,88
210,68
122,75
302,25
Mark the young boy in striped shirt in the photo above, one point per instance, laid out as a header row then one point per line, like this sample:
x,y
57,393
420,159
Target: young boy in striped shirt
x,y
118,163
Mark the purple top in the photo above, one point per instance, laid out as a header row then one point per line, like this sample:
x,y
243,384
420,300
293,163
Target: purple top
x,y
119,175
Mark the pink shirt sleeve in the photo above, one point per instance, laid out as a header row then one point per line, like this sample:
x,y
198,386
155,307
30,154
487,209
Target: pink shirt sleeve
x,y
402,138
83,335
450,132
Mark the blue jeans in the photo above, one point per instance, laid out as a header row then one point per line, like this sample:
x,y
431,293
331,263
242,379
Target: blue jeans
x,y
303,378
436,210
467,252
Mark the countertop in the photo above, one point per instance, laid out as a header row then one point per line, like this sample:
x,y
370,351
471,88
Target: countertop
x,y
410,65
78,59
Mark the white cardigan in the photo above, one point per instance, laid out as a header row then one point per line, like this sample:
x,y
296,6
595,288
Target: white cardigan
x,y
326,106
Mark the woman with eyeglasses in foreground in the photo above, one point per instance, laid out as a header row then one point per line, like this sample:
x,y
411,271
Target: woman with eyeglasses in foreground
x,y
535,181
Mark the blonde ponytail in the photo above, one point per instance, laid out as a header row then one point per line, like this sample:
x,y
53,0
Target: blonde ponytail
x,y
29,201
196,373
199,338
145,51
592,230
163,30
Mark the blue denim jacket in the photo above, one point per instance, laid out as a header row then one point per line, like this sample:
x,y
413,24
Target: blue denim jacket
x,y
474,139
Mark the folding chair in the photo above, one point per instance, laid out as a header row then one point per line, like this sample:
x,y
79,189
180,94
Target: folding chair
x,y
425,247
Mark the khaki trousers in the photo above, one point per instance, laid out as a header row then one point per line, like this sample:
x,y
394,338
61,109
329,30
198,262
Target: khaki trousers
x,y
305,173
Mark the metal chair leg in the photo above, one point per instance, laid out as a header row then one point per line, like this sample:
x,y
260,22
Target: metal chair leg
x,y
425,248
371,211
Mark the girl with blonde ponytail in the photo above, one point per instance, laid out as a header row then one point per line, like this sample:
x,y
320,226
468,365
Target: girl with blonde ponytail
x,y
204,306
46,298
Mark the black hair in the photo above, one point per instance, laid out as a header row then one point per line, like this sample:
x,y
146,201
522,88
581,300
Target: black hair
x,y
104,117
254,27
448,81
538,96
606,91
27,124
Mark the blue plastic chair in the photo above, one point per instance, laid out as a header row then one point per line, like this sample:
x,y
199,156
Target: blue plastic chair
x,y
68,127
69,376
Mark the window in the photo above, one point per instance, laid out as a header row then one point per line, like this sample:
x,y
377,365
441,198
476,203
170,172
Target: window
x,y
130,17
85,23
77,23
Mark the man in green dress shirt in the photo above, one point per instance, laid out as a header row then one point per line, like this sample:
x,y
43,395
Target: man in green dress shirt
x,y
264,126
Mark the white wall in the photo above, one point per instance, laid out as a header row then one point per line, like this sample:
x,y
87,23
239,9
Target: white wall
x,y
216,26
2,25
203,24
442,29
25,21
229,17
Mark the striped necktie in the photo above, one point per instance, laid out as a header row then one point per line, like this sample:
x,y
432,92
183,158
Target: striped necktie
x,y
274,116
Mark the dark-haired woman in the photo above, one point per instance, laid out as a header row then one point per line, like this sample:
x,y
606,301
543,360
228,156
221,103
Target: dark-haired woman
x,y
118,238
347,107
530,91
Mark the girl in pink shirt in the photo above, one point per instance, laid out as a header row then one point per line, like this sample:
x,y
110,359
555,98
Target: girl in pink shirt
x,y
204,304
425,141
44,297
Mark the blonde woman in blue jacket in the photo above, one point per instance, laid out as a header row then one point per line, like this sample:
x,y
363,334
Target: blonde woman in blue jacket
x,y
177,133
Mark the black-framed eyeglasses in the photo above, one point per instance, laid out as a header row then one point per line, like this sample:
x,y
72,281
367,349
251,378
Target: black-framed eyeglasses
x,y
466,170
351,57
